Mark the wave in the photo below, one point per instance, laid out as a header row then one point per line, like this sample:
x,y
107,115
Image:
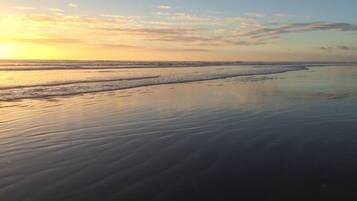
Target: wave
x,y
91,86
89,65
92,65
76,82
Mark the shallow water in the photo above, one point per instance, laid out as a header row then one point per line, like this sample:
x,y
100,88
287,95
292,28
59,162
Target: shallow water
x,y
50,79
290,136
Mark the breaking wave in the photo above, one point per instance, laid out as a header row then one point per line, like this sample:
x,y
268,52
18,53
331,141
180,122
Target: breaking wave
x,y
155,77
36,65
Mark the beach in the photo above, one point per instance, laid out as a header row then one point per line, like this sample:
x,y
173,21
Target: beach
x,y
225,132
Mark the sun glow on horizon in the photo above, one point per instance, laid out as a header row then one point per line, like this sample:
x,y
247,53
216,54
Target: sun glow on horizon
x,y
167,32
4,51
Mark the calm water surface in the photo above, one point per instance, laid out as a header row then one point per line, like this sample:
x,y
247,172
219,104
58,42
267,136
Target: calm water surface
x,y
290,136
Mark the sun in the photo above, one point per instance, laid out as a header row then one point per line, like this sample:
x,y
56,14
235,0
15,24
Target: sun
x,y
4,50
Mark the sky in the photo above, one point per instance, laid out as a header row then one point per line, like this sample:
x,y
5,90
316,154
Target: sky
x,y
212,30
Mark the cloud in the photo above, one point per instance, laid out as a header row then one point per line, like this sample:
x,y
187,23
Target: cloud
x,y
58,10
164,7
46,40
182,35
289,15
63,19
186,38
72,5
265,33
131,47
117,16
179,28
161,31
22,8
119,46
66,19
175,28
190,36
185,18
255,15
162,13
183,49
338,48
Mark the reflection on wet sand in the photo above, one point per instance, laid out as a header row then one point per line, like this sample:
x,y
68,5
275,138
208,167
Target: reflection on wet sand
x,y
286,135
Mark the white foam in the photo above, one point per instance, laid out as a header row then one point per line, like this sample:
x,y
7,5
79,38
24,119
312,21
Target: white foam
x,y
147,78
81,65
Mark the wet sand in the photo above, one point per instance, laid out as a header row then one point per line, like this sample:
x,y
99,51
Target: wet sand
x,y
290,136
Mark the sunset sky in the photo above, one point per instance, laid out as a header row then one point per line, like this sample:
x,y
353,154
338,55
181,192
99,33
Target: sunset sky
x,y
247,30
